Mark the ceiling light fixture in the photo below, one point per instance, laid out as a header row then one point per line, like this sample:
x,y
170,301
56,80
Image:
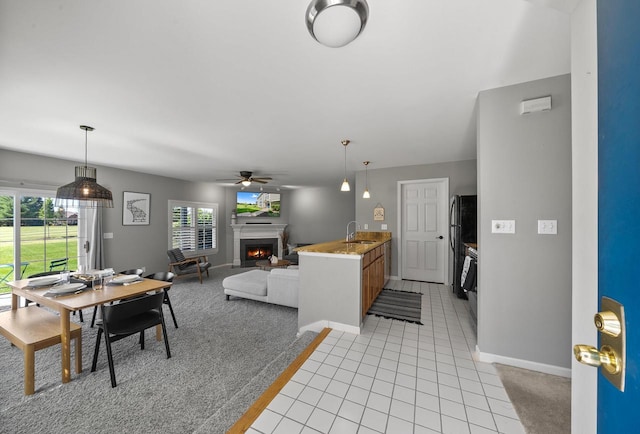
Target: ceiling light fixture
x,y
366,194
246,182
345,181
335,23
84,191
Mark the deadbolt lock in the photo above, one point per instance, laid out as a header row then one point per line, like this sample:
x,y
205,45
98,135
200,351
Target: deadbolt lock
x,y
611,356
607,322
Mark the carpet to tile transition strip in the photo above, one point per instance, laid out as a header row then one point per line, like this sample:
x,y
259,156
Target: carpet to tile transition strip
x,y
401,305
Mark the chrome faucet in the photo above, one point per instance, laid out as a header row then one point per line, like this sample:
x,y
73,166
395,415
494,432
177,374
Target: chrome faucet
x,y
352,235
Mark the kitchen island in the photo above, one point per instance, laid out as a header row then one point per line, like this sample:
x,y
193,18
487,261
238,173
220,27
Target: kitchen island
x,y
339,280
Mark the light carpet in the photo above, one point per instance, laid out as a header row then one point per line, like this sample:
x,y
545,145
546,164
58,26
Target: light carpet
x,y
224,355
400,305
542,401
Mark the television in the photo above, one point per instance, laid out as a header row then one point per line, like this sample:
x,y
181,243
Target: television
x,y
257,204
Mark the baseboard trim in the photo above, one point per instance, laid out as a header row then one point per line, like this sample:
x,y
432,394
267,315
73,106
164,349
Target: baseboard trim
x,y
318,326
520,363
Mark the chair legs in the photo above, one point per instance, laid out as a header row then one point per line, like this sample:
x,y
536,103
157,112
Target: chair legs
x,y
93,318
112,371
168,303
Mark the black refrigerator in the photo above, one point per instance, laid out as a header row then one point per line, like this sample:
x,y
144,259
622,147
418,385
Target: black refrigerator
x,y
463,225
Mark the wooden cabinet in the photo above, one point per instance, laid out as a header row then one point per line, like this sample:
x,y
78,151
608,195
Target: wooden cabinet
x,y
374,275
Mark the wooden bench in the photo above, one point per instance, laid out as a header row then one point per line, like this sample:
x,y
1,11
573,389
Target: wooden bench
x,y
31,329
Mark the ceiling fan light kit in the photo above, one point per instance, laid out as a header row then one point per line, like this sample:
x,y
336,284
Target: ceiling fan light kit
x,y
335,23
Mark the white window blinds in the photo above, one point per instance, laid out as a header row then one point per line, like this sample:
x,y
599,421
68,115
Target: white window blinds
x,y
193,227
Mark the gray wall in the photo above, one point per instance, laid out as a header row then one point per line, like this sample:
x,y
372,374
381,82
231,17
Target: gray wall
x,y
383,187
131,246
320,214
524,174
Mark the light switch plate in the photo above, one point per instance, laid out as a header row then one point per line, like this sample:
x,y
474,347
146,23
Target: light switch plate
x,y
383,226
503,226
107,235
548,227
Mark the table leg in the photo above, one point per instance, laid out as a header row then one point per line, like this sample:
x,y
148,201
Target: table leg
x,y
65,341
15,301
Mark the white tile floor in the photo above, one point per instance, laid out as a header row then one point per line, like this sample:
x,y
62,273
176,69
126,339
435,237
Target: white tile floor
x,y
396,377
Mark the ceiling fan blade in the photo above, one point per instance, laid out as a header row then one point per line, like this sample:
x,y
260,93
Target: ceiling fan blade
x,y
259,180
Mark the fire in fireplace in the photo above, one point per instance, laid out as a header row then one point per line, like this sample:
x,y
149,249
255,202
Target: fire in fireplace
x,y
253,250
259,252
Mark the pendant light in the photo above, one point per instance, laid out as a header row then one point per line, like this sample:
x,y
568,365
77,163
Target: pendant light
x,y
345,181
366,194
84,191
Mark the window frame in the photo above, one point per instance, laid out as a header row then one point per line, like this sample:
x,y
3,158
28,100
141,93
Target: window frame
x,y
195,206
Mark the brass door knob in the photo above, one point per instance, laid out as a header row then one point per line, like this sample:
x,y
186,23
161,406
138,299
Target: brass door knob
x,y
606,357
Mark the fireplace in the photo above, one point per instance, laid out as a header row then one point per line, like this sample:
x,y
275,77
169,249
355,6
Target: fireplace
x,y
252,250
256,232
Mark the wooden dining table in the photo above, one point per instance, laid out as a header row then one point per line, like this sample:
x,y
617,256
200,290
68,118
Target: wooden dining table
x,y
65,304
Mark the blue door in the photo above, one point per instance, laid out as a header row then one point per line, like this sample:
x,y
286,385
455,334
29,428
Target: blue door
x,y
619,196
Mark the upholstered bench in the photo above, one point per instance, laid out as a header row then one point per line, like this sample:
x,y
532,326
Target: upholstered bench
x,y
31,329
278,286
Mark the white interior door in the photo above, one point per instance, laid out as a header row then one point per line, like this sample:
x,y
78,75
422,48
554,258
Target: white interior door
x,y
424,229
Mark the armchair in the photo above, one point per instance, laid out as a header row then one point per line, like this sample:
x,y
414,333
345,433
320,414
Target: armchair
x,y
179,265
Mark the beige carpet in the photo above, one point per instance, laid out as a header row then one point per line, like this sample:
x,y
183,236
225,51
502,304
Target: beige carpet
x,y
542,401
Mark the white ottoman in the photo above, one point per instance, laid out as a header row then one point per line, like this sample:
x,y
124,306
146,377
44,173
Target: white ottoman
x,y
252,285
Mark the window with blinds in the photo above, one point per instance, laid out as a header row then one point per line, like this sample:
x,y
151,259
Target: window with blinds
x,y
193,227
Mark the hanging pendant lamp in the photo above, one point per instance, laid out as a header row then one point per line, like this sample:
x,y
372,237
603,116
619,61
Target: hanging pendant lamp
x,y
345,182
366,194
84,191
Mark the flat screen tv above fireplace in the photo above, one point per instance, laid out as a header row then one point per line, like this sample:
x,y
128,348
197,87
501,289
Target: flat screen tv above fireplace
x,y
257,204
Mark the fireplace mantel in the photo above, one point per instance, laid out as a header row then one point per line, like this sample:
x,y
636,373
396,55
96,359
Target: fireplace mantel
x,y
258,230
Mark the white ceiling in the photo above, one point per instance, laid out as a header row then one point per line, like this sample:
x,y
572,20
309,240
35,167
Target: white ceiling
x,y
199,90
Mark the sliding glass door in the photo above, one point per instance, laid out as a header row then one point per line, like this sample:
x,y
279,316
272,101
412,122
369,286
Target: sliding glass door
x,y
35,236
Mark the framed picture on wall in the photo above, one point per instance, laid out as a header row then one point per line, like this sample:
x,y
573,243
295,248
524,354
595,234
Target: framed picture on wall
x,y
135,208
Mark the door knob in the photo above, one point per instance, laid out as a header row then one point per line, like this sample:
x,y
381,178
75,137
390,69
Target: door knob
x,y
440,237
606,357
612,354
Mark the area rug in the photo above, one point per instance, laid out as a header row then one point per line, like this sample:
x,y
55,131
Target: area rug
x,y
400,305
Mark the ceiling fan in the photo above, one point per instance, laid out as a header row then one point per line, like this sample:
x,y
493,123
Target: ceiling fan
x,y
246,178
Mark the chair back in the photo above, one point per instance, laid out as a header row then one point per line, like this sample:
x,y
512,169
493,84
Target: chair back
x,y
132,271
165,276
64,262
176,255
127,315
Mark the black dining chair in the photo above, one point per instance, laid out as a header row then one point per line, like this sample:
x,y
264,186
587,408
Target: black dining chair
x,y
127,318
165,276
50,273
131,271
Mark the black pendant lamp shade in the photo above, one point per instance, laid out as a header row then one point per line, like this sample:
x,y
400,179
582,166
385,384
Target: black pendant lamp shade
x,y
84,191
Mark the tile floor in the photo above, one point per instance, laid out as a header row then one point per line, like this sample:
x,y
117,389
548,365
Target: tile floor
x,y
396,377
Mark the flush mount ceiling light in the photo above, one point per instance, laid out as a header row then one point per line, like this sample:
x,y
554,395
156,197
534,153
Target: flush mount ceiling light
x,y
345,181
335,23
366,194
84,191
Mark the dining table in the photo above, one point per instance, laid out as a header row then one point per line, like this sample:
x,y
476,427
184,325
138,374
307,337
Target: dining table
x,y
82,299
